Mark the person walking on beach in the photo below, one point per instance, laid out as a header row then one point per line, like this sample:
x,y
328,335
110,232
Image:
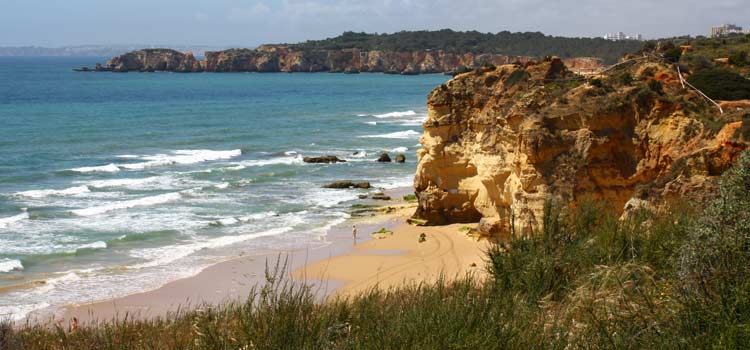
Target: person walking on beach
x,y
354,233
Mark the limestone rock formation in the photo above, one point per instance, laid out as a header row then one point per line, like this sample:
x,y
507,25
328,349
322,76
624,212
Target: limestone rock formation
x,y
282,58
499,143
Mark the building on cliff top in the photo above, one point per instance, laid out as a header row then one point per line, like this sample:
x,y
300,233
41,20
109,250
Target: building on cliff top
x,y
622,36
726,29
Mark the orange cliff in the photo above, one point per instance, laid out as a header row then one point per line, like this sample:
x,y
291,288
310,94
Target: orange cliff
x,y
499,143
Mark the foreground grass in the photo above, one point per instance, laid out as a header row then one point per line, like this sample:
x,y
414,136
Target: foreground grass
x,y
672,280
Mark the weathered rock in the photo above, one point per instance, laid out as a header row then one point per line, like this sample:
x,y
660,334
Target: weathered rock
x,y
400,158
283,58
380,196
384,158
323,159
351,70
498,144
348,184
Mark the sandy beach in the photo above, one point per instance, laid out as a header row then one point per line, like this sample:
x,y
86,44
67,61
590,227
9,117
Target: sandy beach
x,y
340,268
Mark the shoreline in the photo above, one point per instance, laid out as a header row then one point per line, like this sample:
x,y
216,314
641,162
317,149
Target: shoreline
x,y
339,269
228,280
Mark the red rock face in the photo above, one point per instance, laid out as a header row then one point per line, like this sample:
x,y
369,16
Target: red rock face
x,y
285,59
499,143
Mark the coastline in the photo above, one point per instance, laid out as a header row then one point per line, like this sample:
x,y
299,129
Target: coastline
x,y
338,269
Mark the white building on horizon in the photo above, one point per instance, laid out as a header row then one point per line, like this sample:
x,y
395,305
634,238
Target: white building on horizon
x,y
622,36
726,29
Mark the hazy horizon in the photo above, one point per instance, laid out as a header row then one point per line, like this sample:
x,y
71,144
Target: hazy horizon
x,y
251,23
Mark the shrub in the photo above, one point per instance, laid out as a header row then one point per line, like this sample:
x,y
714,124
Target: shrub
x,y
517,76
738,58
673,54
721,84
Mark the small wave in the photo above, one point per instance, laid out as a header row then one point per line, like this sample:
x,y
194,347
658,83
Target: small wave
x,y
165,255
19,312
141,202
122,182
408,134
222,186
8,265
45,193
371,123
247,218
181,157
93,246
51,283
395,114
264,162
109,168
7,221
400,149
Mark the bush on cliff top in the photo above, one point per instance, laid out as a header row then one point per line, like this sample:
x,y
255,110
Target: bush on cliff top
x,y
721,84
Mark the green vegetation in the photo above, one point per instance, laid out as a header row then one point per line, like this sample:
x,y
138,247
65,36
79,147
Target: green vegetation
x,y
513,44
672,280
383,231
410,197
721,84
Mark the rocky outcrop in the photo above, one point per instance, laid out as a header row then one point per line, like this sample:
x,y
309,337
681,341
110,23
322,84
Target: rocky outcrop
x,y
323,159
400,158
499,143
280,58
348,184
384,158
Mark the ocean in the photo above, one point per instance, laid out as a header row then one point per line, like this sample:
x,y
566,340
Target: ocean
x,y
112,184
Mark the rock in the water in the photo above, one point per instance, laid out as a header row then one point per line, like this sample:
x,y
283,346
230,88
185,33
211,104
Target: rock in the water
x,y
323,159
348,184
380,196
384,158
351,70
400,158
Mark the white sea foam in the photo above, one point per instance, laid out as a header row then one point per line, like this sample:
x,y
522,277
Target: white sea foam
x,y
45,193
52,283
264,162
395,114
7,221
8,265
165,255
122,182
19,312
400,149
181,157
408,134
140,202
371,123
247,218
95,245
109,168
222,186
128,156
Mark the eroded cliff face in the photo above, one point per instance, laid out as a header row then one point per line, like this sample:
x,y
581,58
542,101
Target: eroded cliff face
x,y
499,143
272,58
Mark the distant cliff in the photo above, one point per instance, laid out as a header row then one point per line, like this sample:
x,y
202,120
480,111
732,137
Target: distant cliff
x,y
499,143
279,58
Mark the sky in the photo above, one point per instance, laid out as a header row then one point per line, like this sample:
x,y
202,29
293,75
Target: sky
x,y
248,23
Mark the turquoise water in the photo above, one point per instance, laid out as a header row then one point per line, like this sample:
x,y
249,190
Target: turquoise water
x,y
112,184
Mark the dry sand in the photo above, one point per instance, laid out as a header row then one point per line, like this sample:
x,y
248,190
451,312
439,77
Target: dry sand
x,y
400,257
339,268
